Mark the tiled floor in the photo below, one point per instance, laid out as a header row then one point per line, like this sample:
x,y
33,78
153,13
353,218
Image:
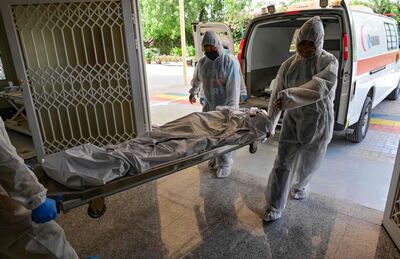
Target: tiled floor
x,y
192,214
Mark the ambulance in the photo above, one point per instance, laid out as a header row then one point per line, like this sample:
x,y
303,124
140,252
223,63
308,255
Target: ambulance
x,y
366,45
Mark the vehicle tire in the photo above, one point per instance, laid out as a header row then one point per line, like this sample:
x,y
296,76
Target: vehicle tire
x,y
360,129
394,95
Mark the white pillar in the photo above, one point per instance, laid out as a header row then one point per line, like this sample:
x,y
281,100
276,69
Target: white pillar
x,y
183,39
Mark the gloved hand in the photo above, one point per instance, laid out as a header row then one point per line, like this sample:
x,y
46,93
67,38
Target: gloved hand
x,y
244,97
47,211
202,101
192,98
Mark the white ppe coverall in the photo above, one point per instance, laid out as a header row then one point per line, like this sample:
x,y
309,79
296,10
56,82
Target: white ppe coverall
x,y
227,47
243,89
306,87
20,192
220,80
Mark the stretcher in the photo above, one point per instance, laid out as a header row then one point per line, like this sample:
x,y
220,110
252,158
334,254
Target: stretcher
x,y
68,199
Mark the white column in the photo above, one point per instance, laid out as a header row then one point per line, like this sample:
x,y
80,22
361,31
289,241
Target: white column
x,y
183,39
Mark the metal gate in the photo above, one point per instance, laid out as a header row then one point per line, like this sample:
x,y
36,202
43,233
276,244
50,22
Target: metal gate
x,y
391,218
82,71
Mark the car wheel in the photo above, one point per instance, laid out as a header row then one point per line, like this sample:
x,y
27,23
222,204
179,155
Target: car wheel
x,y
360,129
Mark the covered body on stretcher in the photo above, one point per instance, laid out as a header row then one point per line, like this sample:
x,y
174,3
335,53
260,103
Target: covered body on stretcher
x,y
87,172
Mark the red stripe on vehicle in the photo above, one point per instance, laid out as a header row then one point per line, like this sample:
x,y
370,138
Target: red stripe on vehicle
x,y
370,64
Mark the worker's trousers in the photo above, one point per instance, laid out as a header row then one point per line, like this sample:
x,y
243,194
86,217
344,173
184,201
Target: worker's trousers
x,y
225,160
292,159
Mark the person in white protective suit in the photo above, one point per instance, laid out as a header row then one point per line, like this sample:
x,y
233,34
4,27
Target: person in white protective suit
x,y
305,89
27,228
219,76
243,90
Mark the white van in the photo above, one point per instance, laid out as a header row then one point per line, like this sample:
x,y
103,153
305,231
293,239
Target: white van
x,y
366,45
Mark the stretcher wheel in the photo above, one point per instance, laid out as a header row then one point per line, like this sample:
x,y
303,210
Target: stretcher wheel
x,y
96,208
253,147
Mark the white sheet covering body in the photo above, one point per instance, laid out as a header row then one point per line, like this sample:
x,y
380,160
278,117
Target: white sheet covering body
x,y
88,165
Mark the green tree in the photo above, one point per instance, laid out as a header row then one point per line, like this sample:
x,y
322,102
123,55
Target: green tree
x,y
160,19
382,6
237,14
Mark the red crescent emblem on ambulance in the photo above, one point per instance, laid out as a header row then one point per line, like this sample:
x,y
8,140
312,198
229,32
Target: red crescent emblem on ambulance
x,y
362,39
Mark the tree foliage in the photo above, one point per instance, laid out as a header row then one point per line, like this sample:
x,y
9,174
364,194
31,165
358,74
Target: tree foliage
x,y
237,15
160,19
383,6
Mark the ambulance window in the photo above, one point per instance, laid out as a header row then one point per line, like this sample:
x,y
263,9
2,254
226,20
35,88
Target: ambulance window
x,y
391,36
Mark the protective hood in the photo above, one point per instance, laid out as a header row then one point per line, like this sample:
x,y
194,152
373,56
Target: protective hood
x,y
313,30
211,38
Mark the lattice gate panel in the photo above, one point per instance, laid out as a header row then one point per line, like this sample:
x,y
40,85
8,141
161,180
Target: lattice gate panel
x,y
396,211
77,71
391,218
2,73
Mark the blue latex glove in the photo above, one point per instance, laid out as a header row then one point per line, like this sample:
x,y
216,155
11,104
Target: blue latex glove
x,y
244,97
47,211
202,101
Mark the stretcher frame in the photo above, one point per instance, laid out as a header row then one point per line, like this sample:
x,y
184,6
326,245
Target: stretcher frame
x,y
18,122
68,199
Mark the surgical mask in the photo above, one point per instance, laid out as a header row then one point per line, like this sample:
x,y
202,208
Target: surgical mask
x,y
227,51
213,55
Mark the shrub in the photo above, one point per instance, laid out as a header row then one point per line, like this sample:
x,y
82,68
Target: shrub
x,y
191,51
176,51
148,54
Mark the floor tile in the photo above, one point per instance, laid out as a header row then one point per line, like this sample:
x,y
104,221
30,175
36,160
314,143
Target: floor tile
x,y
364,240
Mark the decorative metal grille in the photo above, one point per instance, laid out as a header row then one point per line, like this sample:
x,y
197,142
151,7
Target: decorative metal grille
x,y
2,73
396,211
77,72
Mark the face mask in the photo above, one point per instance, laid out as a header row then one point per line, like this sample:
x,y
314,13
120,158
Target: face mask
x,y
213,55
227,51
306,49
306,53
